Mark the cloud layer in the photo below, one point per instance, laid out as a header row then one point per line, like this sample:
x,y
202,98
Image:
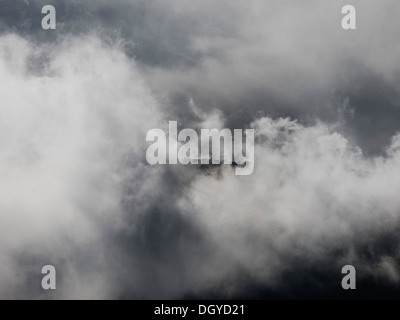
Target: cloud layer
x,y
76,190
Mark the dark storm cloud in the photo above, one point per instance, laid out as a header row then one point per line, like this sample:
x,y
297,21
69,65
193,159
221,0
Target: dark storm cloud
x,y
239,63
126,230
156,35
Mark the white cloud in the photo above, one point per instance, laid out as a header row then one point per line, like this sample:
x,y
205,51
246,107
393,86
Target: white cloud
x,y
71,139
311,193
72,136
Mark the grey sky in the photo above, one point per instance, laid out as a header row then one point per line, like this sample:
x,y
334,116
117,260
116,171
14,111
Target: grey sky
x,y
77,102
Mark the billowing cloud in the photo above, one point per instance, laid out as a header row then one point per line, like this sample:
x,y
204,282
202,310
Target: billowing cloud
x,y
311,195
76,105
72,138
